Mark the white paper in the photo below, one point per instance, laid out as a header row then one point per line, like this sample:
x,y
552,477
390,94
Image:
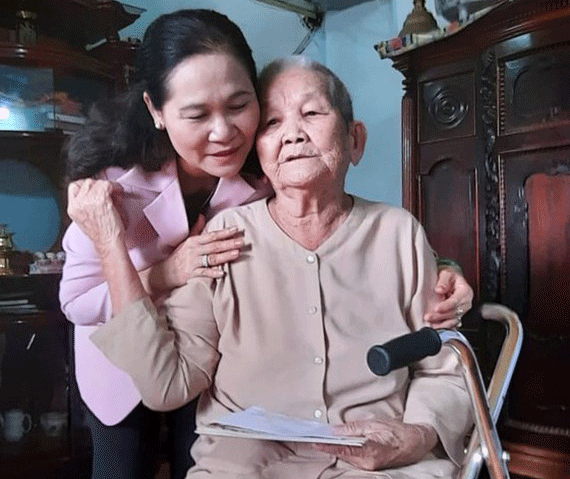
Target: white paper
x,y
256,423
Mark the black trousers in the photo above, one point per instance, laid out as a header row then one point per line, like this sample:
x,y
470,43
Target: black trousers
x,y
129,449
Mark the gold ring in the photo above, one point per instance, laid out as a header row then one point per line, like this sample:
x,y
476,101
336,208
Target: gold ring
x,y
458,314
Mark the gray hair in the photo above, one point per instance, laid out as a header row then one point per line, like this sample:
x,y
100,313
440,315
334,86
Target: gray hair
x,y
335,89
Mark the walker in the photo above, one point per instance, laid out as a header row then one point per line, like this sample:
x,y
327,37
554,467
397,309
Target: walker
x,y
484,444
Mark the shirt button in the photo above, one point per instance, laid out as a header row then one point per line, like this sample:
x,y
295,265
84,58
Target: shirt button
x,y
318,360
318,413
312,310
311,258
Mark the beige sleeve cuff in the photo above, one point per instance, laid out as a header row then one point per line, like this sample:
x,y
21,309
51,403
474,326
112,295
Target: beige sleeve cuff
x,y
446,408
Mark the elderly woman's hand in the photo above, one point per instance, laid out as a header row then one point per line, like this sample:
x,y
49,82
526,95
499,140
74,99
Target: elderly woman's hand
x,y
457,300
90,205
389,443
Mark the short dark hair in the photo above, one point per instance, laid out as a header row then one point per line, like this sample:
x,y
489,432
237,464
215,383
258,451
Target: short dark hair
x,y
336,90
119,131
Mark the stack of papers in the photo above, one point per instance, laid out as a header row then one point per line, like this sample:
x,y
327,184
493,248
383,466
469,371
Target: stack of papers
x,y
256,423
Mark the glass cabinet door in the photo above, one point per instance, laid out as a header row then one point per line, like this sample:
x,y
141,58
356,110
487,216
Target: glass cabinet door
x,y
34,391
43,99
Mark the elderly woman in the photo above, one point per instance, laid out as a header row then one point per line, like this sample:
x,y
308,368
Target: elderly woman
x,y
288,325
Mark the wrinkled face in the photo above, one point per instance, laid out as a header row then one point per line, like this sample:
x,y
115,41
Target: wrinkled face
x,y
211,114
302,141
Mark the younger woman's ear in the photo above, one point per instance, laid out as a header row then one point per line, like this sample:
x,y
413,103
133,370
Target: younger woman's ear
x,y
358,135
156,115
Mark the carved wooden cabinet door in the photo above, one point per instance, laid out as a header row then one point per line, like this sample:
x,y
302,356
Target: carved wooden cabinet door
x,y
447,167
537,284
534,169
486,169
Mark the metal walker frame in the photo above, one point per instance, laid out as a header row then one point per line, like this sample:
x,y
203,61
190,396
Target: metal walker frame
x,y
484,444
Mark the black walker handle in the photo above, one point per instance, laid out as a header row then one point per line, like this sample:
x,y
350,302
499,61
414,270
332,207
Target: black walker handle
x,y
403,351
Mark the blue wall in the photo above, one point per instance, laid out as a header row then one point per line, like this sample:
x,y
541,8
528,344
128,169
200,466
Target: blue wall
x,y
345,43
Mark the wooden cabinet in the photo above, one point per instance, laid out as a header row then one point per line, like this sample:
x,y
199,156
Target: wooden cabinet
x,y
48,80
486,169
43,434
49,75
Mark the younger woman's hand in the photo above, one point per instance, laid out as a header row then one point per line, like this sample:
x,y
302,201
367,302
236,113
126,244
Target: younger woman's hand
x,y
457,299
202,254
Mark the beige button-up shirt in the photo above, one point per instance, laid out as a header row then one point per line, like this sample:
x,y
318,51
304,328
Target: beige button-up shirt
x,y
288,329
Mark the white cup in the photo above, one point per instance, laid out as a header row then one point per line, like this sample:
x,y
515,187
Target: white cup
x,y
15,424
53,423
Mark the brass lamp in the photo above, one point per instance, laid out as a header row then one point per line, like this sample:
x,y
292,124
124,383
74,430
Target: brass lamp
x,y
420,20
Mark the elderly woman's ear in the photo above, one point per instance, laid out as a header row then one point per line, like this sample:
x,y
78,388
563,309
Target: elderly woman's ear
x,y
358,135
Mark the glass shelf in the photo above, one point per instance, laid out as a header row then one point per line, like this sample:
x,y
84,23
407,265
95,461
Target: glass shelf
x,y
40,99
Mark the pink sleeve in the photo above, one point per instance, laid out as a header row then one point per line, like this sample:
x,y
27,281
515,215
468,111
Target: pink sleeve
x,y
83,292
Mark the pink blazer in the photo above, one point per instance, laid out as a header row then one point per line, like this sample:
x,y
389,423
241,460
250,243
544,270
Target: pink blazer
x,y
152,209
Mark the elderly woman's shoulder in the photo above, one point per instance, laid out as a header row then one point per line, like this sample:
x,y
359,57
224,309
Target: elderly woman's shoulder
x,y
239,215
385,210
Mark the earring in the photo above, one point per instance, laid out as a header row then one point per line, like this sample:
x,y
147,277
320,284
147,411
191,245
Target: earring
x,y
159,125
